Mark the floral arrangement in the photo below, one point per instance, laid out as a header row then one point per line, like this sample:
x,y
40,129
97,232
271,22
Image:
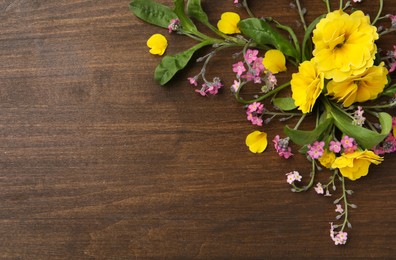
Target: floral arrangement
x,y
342,80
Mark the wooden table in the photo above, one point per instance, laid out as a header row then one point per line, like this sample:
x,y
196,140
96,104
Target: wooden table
x,y
99,161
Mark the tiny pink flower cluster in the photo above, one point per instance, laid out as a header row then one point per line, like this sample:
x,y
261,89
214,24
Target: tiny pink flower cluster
x,y
348,144
208,87
254,112
252,70
282,146
339,238
320,189
316,149
293,176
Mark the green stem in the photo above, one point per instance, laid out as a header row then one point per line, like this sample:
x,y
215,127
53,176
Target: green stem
x,y
281,114
328,5
341,4
300,121
309,185
246,6
272,92
345,204
301,14
379,12
389,105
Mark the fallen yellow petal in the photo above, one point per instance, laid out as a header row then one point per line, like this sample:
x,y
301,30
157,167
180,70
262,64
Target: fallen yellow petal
x,y
228,23
157,44
257,141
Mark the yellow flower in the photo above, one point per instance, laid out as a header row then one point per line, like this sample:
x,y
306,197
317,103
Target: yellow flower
x,y
257,141
274,61
355,165
306,86
327,158
157,44
344,44
228,23
360,88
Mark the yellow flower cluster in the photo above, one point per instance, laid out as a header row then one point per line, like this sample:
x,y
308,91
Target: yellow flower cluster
x,y
351,165
344,54
355,165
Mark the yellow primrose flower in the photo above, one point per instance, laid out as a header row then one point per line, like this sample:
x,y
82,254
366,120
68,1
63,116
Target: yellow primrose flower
x,y
344,44
228,23
360,88
355,165
306,86
327,158
157,44
257,141
274,61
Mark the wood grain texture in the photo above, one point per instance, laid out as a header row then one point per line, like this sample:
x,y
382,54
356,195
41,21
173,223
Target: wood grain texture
x,y
97,161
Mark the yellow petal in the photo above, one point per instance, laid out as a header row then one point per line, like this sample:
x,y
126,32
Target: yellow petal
x,y
274,61
228,23
257,141
157,44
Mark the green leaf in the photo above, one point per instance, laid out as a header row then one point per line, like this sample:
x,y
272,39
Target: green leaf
x,y
364,137
171,64
302,137
390,90
152,12
285,104
194,9
264,34
185,21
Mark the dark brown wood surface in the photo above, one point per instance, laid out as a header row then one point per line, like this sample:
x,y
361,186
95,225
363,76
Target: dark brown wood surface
x,y
99,161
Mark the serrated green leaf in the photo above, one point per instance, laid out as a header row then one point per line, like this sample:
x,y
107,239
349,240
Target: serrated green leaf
x,y
285,104
152,12
264,34
171,64
302,137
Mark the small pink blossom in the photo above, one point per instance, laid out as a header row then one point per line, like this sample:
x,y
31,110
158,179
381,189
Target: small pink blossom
x,y
293,176
340,238
174,25
235,86
335,146
358,118
347,141
357,1
339,208
319,188
238,68
256,107
282,146
316,150
258,66
251,55
193,80
351,149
